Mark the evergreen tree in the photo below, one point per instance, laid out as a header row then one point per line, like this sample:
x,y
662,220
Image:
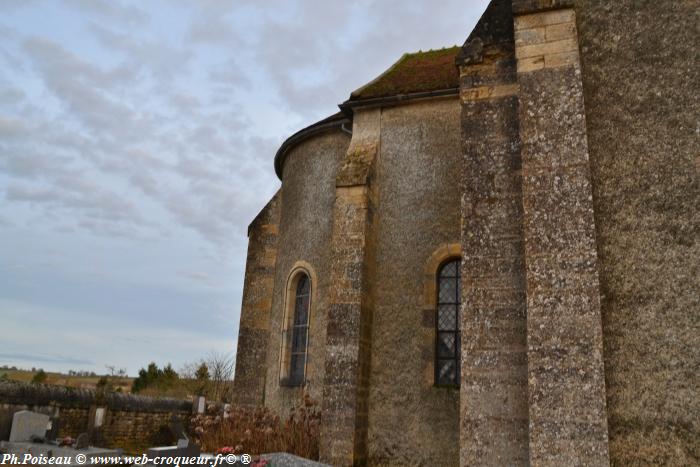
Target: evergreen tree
x,y
168,377
39,377
202,377
154,377
202,372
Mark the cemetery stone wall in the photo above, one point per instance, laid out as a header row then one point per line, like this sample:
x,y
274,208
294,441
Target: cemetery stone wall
x,y
126,421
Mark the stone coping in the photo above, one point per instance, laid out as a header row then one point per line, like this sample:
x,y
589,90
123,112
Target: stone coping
x,y
19,393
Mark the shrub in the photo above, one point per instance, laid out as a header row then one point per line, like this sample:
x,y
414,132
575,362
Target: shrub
x,y
39,377
257,431
153,377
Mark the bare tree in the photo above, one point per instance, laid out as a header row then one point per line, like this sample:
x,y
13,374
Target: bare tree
x,y
220,368
217,384
114,371
188,369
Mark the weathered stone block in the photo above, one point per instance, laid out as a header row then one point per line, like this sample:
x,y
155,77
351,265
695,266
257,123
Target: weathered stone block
x,y
546,18
531,36
27,424
555,32
548,48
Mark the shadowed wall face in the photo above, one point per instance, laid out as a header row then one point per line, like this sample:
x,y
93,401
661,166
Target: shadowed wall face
x,y
639,63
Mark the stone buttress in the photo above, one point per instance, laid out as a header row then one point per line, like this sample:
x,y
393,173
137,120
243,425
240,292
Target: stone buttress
x,y
254,331
533,390
566,378
344,415
493,385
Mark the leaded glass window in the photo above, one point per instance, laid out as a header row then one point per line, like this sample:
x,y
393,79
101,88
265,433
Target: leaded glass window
x,y
447,361
300,331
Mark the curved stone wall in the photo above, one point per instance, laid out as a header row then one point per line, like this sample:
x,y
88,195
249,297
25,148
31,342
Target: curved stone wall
x,y
307,196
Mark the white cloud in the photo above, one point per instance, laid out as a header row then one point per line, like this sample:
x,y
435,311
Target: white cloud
x,y
138,138
110,11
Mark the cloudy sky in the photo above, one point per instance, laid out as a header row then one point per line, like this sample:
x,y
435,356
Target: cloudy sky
x,y
136,144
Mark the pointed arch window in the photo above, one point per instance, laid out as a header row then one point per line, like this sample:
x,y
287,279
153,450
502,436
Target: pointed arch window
x,y
300,331
447,354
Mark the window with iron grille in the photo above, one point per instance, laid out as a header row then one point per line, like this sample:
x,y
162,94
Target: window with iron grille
x,y
447,361
300,331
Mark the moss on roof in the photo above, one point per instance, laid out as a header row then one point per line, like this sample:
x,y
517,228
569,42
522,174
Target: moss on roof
x,y
416,72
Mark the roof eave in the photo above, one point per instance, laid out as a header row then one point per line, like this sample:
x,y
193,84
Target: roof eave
x,y
301,135
398,99
345,117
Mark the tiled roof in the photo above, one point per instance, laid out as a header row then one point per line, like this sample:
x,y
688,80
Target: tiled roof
x,y
433,70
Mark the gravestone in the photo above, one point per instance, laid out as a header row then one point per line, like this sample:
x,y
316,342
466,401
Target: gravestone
x,y
283,459
54,427
46,451
177,429
99,416
184,448
83,441
199,404
26,424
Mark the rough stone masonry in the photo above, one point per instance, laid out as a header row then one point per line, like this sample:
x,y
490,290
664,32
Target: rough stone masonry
x,y
556,154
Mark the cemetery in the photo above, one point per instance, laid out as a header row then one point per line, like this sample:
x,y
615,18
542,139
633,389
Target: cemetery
x,y
487,254
43,424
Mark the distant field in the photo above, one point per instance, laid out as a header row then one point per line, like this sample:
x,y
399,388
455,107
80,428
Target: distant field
x,y
85,382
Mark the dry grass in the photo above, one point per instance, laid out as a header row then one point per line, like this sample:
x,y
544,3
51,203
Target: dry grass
x,y
60,379
258,431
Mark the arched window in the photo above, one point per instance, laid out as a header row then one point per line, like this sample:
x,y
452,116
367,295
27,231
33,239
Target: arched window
x,y
300,331
447,361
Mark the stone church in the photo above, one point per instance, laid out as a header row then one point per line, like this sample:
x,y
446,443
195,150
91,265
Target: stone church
x,y
491,254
